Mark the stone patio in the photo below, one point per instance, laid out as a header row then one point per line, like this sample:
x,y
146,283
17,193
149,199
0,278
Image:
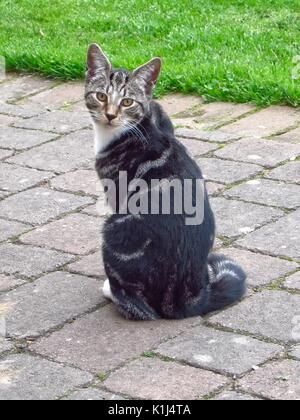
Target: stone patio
x,y
59,337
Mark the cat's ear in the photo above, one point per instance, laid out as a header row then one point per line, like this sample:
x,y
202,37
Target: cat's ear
x,y
97,61
149,73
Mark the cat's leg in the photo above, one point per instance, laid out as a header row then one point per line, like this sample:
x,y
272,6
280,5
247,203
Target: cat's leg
x,y
134,308
107,290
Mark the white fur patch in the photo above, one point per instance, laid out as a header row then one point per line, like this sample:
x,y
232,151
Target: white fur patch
x,y
104,136
107,290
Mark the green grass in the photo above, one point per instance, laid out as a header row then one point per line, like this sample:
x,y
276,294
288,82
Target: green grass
x,y
228,50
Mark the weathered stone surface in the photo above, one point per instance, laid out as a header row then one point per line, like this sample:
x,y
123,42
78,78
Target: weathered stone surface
x,y
196,147
59,96
285,235
153,379
30,261
76,234
271,193
262,152
21,111
10,229
224,352
213,188
26,377
271,314
91,265
293,282
4,154
225,171
5,346
15,138
35,308
14,178
81,181
260,269
9,282
175,103
6,120
212,136
100,209
92,394
296,352
69,153
23,86
39,205
276,381
290,172
100,350
234,396
3,194
265,122
235,218
292,136
60,122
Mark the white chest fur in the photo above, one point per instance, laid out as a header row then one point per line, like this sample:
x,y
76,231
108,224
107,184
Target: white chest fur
x,y
104,136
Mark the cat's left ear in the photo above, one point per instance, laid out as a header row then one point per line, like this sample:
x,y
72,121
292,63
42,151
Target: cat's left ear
x,y
149,73
97,61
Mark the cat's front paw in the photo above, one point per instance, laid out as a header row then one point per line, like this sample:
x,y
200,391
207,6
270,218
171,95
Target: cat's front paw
x,y
107,290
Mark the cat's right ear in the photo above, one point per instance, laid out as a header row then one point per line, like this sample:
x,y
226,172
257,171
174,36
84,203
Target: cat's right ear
x,y
97,62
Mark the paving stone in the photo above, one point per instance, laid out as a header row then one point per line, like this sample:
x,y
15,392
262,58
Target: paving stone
x,y
69,153
6,120
224,352
218,243
35,308
25,377
100,350
234,396
101,209
4,154
270,193
273,314
290,172
91,265
196,147
30,261
226,171
60,122
266,122
235,218
23,86
276,381
80,181
9,282
22,111
3,194
216,114
59,96
5,346
285,235
260,269
292,136
15,138
14,178
10,229
262,152
177,102
40,205
92,394
296,352
153,379
213,188
76,234
293,281
212,136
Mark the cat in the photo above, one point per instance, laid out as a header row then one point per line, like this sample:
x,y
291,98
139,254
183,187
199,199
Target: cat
x,y
157,265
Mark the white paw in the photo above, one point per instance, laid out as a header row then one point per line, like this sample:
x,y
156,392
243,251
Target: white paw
x,y
107,290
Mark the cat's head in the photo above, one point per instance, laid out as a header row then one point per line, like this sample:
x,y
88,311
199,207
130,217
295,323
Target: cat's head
x,y
118,99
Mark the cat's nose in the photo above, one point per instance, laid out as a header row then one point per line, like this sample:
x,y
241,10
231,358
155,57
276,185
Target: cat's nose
x,y
110,117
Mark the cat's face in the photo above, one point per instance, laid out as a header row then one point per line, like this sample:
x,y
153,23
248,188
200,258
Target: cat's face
x,y
118,99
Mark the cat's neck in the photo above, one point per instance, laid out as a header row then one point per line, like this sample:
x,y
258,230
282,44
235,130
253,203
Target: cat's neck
x,y
104,136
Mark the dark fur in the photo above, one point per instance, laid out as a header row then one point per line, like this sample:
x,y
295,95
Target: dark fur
x,y
159,267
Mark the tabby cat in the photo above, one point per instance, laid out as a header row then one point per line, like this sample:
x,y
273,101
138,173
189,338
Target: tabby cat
x,y
157,265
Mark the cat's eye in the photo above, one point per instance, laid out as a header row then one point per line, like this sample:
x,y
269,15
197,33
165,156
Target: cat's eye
x,y
127,102
101,97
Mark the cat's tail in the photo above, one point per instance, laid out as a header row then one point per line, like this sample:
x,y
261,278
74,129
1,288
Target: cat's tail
x,y
227,283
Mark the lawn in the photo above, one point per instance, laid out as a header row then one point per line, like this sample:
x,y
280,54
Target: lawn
x,y
228,50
